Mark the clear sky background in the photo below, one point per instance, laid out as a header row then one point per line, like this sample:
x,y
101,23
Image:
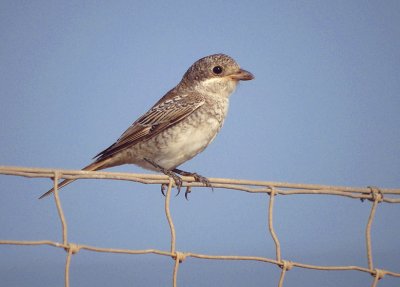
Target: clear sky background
x,y
324,108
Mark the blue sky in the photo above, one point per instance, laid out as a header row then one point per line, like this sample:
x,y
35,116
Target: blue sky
x,y
324,108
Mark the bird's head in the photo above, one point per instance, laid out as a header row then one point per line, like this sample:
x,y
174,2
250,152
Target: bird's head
x,y
216,73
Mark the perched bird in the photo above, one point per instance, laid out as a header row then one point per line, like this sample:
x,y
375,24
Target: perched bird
x,y
180,125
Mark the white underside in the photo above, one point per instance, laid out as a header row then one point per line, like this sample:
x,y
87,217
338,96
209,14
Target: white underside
x,y
187,144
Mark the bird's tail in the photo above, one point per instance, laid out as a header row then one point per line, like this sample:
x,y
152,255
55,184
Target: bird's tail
x,y
91,167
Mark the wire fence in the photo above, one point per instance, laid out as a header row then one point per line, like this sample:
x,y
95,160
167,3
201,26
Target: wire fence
x,y
373,194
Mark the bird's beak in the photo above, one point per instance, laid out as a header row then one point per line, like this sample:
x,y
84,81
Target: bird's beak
x,y
242,75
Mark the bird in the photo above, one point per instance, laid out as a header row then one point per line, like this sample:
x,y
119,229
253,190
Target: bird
x,y
180,125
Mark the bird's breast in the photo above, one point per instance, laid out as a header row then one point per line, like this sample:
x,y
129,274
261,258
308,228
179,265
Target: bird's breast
x,y
189,137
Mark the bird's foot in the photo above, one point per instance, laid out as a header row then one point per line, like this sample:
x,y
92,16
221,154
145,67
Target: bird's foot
x,y
197,177
202,179
172,174
177,179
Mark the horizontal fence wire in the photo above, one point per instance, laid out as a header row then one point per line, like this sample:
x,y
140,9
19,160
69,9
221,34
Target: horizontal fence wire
x,y
374,194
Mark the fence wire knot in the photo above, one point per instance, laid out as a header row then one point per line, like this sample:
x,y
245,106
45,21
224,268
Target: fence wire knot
x,y
379,273
286,265
272,190
376,194
73,248
180,256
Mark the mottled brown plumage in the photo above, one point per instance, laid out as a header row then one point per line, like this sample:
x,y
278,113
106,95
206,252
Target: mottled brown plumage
x,y
181,124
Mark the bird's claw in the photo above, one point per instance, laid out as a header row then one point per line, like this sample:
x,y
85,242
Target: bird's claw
x,y
188,190
197,177
203,180
178,180
163,188
178,184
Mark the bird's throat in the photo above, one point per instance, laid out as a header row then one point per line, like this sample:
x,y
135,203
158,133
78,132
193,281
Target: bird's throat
x,y
222,87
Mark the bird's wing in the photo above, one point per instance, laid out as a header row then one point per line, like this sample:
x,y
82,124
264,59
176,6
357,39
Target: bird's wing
x,y
161,116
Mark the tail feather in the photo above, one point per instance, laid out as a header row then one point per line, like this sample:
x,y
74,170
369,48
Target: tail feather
x,y
91,167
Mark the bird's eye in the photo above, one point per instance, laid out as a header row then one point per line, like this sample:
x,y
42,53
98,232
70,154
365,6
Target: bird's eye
x,y
217,70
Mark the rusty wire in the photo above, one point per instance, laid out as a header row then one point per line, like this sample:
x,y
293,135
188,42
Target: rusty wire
x,y
374,194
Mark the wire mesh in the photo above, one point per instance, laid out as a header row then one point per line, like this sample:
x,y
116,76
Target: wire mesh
x,y
373,194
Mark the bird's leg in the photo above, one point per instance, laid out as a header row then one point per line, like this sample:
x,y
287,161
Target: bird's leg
x,y
196,176
176,178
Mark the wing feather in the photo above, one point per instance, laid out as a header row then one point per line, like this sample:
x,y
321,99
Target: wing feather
x,y
161,116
